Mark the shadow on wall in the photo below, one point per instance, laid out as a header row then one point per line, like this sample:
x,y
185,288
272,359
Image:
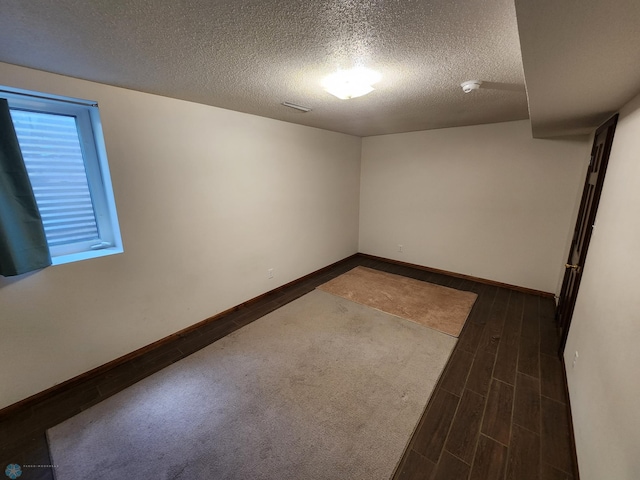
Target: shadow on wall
x,y
6,281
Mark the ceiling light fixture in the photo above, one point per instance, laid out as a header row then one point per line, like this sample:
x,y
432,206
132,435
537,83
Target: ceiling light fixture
x,y
470,85
351,83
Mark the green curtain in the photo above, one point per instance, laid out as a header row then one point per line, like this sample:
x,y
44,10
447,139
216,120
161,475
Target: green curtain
x,y
23,245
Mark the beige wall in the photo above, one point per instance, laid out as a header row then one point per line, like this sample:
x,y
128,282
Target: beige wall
x,y
604,385
487,200
208,200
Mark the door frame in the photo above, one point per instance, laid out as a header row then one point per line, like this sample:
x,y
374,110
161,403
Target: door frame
x,y
567,300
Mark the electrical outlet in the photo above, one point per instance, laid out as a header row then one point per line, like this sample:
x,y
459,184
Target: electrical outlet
x,y
270,273
400,248
575,359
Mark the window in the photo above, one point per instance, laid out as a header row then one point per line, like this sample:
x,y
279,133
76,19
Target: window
x,y
63,150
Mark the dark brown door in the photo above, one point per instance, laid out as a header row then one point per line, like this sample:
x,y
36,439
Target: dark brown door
x,y
584,226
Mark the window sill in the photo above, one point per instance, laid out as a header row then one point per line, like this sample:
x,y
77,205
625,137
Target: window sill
x,y
76,257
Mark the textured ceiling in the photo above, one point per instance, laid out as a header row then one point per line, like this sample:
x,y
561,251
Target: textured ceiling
x,y
251,55
581,61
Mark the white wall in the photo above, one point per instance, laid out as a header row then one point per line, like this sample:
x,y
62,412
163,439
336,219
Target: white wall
x,y
487,200
604,386
208,200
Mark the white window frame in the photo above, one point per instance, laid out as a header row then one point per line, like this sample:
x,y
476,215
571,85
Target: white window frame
x,y
94,154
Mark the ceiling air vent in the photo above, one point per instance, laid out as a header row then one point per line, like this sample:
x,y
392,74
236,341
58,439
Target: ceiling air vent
x,y
297,107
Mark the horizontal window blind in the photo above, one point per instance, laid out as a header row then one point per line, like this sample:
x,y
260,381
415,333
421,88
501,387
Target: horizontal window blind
x,y
53,157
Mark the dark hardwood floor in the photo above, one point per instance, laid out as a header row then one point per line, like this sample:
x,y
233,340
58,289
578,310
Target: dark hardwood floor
x,y
499,410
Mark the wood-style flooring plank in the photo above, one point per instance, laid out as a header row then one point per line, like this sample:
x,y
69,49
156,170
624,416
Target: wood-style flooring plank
x,y
495,322
455,375
32,451
62,406
507,357
450,468
416,467
431,434
469,286
526,406
490,461
549,335
552,378
10,425
555,439
531,318
524,455
470,337
466,426
550,473
480,375
484,303
497,416
549,340
529,356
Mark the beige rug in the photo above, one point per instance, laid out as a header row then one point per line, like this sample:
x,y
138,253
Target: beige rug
x,y
320,389
442,308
